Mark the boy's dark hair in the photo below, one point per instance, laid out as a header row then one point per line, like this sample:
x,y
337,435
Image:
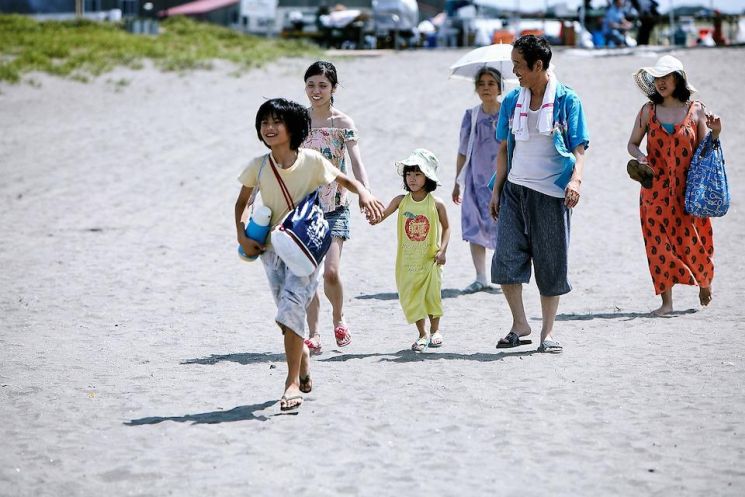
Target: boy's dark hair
x,y
323,68
534,48
490,71
429,185
294,115
681,92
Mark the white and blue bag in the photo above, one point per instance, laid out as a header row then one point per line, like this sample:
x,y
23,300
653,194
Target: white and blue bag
x,y
303,236
707,193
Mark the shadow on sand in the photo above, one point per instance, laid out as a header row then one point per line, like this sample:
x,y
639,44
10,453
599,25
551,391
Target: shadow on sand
x,y
407,355
404,355
447,293
244,358
240,413
624,316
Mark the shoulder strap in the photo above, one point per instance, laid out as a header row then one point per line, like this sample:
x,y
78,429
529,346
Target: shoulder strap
x,y
647,106
282,186
472,136
255,191
258,182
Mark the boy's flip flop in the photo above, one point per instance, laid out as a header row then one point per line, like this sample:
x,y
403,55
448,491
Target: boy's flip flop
x,y
512,340
306,384
640,172
290,403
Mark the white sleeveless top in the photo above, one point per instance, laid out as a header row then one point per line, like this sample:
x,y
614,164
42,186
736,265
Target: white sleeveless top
x,y
535,163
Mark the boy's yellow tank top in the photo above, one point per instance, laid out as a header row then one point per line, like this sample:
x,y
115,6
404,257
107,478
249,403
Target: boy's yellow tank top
x,y
418,276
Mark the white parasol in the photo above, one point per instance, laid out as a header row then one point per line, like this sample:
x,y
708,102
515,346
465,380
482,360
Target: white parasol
x,y
498,56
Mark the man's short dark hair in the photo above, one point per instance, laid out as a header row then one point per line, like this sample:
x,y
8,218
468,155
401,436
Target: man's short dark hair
x,y
292,114
534,48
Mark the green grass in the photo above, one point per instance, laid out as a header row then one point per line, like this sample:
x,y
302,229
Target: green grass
x,y
82,49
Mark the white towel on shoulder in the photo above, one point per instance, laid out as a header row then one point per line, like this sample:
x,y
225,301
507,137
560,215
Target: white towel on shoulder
x,y
545,113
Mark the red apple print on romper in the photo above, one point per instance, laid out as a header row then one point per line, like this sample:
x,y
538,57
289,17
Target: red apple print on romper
x,y
416,227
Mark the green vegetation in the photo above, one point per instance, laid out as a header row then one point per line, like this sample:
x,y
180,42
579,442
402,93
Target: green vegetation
x,y
80,49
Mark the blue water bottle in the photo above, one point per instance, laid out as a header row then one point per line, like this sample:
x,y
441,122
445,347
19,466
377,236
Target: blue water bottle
x,y
257,229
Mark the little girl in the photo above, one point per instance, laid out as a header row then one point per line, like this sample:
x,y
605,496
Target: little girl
x,y
282,126
423,235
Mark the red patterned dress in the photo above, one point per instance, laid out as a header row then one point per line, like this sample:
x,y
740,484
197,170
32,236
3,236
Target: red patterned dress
x,y
679,246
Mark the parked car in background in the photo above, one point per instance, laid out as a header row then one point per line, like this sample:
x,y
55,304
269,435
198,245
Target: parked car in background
x,y
353,24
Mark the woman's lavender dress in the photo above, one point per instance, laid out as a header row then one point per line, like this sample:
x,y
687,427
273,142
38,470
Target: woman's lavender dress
x,y
477,224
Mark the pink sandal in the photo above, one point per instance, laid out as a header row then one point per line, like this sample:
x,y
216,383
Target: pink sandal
x,y
342,335
314,345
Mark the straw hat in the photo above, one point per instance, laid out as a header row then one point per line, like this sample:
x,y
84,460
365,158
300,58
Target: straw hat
x,y
665,65
426,161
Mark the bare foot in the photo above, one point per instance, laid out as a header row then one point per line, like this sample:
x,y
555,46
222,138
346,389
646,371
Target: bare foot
x,y
704,296
663,311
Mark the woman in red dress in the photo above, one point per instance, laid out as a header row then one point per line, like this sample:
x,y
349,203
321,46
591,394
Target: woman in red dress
x,y
679,246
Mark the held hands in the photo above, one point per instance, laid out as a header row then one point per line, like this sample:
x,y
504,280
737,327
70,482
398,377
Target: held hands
x,y
457,199
372,207
571,196
440,257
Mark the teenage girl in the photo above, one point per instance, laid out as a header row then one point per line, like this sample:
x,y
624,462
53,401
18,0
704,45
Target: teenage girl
x,y
333,134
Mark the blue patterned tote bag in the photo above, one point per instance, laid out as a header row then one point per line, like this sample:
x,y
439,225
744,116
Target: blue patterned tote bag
x,y
707,194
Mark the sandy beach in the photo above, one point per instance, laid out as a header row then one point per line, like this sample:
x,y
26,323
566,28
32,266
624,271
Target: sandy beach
x,y
138,354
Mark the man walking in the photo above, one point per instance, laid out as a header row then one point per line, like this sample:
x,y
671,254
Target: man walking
x,y
543,138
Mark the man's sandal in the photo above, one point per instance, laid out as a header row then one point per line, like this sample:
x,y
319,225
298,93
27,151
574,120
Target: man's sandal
x,y
512,340
550,347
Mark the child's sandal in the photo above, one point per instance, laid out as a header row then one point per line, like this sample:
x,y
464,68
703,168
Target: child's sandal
x,y
342,335
420,345
314,345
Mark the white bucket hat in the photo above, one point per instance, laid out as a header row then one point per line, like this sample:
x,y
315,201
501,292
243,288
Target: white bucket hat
x,y
665,65
426,161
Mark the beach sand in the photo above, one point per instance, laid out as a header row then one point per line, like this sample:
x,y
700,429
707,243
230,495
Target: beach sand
x,y
138,354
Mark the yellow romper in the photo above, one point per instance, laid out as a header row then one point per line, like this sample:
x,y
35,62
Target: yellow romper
x,y
418,276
